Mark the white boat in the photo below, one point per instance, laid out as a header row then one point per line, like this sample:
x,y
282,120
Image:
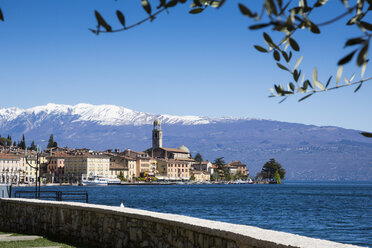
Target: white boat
x,y
113,181
95,181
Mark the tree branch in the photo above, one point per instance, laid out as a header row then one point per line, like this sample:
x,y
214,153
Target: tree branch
x,y
151,17
338,17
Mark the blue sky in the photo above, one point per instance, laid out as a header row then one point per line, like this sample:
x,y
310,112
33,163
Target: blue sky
x,y
179,64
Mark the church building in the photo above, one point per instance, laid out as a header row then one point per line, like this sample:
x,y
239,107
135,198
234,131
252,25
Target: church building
x,y
173,163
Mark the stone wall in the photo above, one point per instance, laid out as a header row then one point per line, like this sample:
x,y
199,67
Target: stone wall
x,y
105,226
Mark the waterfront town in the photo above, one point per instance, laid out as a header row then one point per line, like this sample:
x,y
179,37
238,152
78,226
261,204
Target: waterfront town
x,y
72,166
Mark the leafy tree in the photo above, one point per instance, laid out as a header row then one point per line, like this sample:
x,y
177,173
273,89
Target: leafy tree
x,y
3,141
32,146
198,157
222,171
9,140
14,144
22,143
220,162
51,142
277,177
270,169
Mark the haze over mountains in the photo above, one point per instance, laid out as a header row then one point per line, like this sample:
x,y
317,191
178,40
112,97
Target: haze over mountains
x,y
307,152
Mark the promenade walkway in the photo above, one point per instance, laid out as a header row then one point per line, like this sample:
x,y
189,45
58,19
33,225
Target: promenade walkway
x,y
14,240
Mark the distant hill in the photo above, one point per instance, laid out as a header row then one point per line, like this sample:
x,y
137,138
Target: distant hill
x,y
307,152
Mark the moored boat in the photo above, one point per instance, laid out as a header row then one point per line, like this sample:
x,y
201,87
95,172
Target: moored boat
x,y
95,181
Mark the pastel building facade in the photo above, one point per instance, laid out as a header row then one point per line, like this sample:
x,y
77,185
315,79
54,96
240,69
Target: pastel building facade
x,y
123,165
237,167
145,164
172,163
11,170
83,165
55,168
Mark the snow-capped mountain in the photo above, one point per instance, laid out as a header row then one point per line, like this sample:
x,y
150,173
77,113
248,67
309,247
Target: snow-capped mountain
x,y
307,152
109,115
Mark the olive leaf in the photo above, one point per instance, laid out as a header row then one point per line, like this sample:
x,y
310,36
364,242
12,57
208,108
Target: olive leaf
x,y
245,11
1,15
366,134
339,74
363,70
276,55
282,67
260,49
294,44
303,98
298,62
146,6
315,80
120,17
360,85
102,22
196,11
366,25
258,26
347,58
362,54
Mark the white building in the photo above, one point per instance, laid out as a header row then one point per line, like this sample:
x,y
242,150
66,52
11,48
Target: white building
x,y
10,168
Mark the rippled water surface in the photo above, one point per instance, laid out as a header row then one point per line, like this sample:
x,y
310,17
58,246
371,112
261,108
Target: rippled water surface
x,y
338,212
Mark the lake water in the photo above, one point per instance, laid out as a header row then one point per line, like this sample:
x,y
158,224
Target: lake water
x,y
338,212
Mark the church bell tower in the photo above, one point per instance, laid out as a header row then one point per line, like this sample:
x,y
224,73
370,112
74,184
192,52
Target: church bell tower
x,y
157,135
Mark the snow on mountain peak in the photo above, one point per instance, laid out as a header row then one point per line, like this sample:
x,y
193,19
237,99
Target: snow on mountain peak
x,y
102,114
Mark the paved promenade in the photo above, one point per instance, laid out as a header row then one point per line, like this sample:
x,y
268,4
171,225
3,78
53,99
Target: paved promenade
x,y
14,240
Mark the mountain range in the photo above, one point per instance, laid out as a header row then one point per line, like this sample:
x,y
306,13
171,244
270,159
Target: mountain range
x,y
307,152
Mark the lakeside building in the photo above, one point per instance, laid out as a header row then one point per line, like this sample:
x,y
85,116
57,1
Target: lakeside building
x,y
237,167
122,165
10,168
85,163
26,173
145,164
201,176
203,166
172,163
29,166
202,171
55,167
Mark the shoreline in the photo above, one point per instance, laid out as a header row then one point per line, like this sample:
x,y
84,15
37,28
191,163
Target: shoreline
x,y
135,184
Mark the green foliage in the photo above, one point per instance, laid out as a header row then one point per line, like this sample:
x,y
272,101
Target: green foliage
x,y
6,141
22,143
51,142
121,177
198,157
277,177
32,146
222,172
140,179
9,140
239,175
219,162
270,168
